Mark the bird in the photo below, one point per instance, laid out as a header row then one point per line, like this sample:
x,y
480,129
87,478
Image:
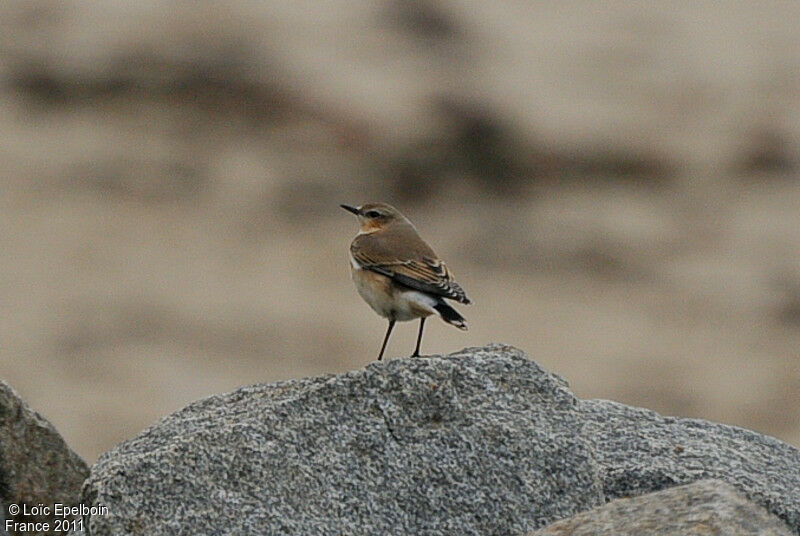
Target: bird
x,y
398,274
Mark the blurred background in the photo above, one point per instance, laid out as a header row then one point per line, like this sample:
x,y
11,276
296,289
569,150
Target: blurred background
x,y
615,184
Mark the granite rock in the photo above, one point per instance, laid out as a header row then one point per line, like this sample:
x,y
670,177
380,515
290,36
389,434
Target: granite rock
x,y
36,465
483,441
478,442
641,451
699,509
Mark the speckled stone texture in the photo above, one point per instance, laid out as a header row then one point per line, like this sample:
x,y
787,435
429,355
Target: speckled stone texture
x,y
36,465
483,441
642,451
703,508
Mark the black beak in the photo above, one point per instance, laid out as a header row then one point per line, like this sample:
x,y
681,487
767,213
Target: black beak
x,y
350,209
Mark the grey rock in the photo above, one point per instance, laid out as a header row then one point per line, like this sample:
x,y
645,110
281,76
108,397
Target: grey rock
x,y
483,441
642,451
478,442
699,509
36,465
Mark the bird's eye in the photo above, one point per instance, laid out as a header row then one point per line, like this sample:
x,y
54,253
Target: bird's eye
x,y
372,214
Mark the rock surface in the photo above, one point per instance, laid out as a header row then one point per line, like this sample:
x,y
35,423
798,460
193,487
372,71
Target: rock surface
x,y
480,442
641,451
699,509
36,465
483,441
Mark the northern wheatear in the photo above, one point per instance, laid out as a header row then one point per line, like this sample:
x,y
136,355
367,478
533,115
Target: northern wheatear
x,y
397,273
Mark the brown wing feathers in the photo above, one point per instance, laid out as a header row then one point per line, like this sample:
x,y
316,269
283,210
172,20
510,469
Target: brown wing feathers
x,y
424,272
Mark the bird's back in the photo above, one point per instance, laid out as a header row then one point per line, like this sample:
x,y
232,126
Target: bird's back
x,y
399,253
400,242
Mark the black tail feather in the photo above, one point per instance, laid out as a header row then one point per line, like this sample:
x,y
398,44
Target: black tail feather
x,y
450,315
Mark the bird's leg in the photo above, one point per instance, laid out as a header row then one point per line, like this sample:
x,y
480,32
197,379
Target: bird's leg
x,y
419,337
386,339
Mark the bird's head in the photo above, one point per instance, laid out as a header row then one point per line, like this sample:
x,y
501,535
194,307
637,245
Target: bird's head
x,y
375,216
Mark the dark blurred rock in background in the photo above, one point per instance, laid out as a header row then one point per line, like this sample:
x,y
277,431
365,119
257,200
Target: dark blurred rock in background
x,y
36,468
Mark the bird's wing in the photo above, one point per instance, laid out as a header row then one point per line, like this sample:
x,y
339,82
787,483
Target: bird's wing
x,y
426,274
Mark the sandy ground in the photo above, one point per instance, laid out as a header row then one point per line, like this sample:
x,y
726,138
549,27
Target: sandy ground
x,y
616,189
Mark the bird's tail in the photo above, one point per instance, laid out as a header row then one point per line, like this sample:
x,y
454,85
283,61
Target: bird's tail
x,y
450,315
